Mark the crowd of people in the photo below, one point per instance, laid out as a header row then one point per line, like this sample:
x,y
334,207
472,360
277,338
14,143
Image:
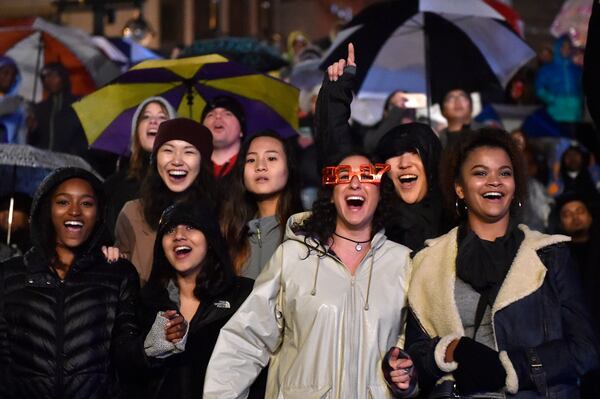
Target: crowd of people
x,y
379,261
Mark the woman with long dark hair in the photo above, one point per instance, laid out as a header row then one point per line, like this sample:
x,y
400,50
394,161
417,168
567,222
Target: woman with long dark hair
x,y
263,195
67,315
179,170
496,308
192,276
321,310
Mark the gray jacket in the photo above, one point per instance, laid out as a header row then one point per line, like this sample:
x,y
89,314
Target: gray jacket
x,y
265,235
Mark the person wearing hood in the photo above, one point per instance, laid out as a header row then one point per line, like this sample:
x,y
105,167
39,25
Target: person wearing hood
x,y
496,309
575,173
67,315
124,185
327,303
264,194
56,126
179,170
192,276
558,85
13,108
412,150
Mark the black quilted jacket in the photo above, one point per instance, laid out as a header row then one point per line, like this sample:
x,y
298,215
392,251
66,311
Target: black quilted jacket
x,y
65,339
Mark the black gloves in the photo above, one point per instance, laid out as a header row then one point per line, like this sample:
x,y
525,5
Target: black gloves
x,y
479,368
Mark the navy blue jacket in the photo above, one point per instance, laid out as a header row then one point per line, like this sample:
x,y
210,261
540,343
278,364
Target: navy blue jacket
x,y
540,306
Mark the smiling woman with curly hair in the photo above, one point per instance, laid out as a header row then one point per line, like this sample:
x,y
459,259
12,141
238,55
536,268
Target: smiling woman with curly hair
x,y
329,300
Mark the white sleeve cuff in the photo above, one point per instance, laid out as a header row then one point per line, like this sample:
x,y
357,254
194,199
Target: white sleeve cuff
x,y
180,346
440,353
512,381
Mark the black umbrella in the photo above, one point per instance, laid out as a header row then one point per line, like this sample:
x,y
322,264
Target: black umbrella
x,y
430,47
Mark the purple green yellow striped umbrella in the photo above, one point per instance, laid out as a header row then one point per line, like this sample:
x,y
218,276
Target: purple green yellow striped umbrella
x,y
187,83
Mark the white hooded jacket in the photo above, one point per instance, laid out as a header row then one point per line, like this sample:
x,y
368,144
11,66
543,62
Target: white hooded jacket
x,y
324,329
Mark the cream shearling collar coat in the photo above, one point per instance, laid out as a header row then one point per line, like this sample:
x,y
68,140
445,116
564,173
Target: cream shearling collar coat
x,y
431,292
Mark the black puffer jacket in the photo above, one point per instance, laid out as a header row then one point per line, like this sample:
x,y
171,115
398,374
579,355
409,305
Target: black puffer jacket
x,y
65,338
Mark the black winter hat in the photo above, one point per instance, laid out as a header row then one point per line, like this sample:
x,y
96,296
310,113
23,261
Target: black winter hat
x,y
199,216
187,130
230,104
412,137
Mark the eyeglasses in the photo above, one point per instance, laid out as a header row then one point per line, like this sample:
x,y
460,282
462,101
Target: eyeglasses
x,y
343,174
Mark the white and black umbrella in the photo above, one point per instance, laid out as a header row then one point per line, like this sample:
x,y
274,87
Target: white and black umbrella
x,y
430,46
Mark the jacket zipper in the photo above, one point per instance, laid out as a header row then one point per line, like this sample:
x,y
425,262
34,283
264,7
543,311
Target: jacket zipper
x,y
60,339
258,236
353,336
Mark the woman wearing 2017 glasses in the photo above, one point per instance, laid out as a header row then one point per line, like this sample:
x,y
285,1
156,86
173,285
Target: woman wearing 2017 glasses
x,y
326,305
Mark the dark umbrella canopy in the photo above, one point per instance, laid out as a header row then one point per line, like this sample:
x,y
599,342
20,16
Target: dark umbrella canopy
x,y
430,47
247,51
23,167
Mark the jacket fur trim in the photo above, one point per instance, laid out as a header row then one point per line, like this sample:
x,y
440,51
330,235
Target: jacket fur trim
x,y
431,291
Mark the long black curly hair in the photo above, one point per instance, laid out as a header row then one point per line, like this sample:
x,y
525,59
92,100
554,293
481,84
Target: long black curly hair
x,y
453,160
319,227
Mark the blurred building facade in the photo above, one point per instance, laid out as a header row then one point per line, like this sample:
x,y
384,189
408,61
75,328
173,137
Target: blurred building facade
x,y
176,22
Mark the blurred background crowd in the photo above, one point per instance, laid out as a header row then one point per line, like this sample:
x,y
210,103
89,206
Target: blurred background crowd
x,y
88,83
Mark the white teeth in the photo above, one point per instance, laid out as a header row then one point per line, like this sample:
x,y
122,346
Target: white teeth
x,y
492,195
182,248
177,173
355,198
73,223
407,178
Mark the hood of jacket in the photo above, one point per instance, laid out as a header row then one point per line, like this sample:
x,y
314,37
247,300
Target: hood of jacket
x,y
170,111
41,203
14,88
409,137
411,224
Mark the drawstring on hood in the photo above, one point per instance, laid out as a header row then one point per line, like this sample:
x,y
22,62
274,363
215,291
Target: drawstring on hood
x,y
376,241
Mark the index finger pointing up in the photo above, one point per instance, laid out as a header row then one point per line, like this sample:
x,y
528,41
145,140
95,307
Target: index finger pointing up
x,y
351,54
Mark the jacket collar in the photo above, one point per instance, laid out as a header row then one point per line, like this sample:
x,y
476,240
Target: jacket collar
x,y
431,291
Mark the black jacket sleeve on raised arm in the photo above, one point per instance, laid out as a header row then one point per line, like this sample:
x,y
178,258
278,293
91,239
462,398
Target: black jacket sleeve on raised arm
x,y
333,132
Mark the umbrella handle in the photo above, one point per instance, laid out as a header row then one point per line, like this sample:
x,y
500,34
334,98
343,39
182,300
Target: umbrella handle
x,y
11,208
189,95
37,65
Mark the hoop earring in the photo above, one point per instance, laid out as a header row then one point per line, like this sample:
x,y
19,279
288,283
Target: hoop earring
x,y
457,207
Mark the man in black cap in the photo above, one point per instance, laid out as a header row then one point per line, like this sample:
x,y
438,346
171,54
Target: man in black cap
x,y
225,118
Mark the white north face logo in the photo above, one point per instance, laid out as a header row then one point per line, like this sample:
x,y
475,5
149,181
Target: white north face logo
x,y
222,304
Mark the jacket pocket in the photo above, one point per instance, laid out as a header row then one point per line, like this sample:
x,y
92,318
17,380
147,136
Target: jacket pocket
x,y
306,393
379,392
